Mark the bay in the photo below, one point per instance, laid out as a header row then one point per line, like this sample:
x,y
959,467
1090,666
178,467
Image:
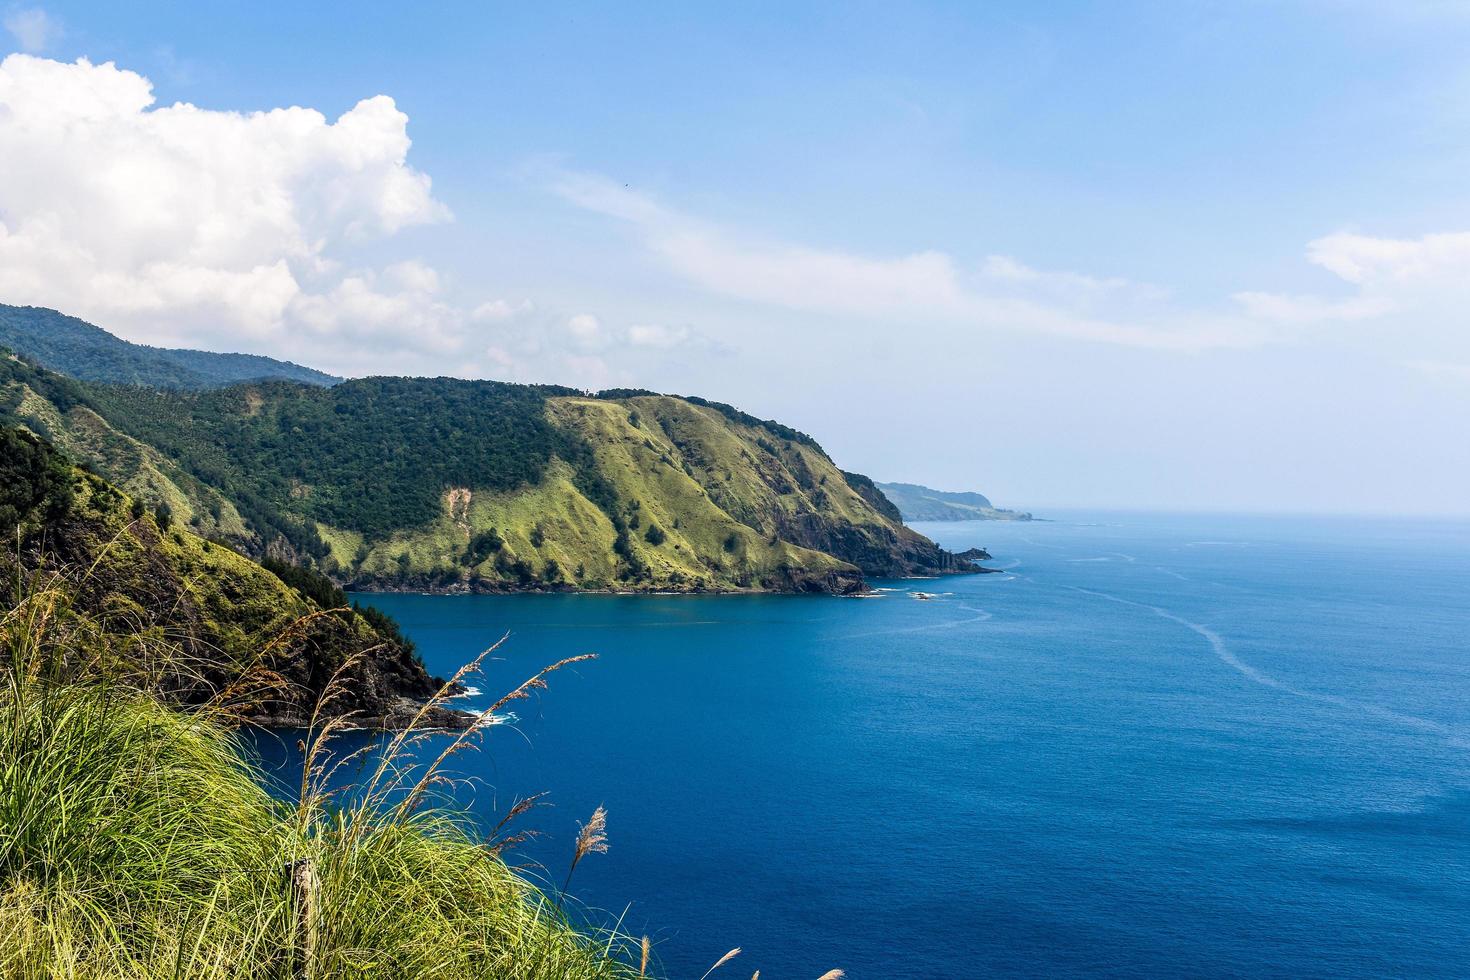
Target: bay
x,y
1154,744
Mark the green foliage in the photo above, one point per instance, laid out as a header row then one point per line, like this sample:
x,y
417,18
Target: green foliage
x,y
163,514
34,480
654,535
483,545
310,583
385,626
136,842
373,455
870,492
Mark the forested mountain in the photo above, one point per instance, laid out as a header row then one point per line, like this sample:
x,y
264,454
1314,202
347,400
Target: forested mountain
x,y
919,503
478,485
81,350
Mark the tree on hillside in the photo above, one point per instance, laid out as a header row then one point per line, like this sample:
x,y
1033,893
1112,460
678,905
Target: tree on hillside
x,y
34,481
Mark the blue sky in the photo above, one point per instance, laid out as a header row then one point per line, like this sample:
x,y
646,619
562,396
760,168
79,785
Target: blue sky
x,y
1186,255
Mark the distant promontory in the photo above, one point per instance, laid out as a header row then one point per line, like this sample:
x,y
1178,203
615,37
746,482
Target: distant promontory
x,y
920,503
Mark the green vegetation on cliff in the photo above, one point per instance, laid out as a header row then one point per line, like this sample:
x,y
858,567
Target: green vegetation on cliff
x,y
150,603
419,483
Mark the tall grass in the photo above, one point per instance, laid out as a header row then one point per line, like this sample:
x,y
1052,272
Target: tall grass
x,y
136,841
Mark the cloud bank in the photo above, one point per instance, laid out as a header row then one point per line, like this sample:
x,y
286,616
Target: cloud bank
x,y
161,220
179,225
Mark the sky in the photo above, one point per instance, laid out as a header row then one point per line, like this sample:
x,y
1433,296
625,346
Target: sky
x,y
1181,254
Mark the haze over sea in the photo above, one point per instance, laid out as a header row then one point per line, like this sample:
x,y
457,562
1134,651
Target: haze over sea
x,y
1198,745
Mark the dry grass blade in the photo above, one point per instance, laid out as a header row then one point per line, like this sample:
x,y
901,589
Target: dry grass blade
x,y
593,836
643,963
832,975
387,760
591,839
538,681
722,961
519,808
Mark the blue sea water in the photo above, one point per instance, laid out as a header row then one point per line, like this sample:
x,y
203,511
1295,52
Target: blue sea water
x,y
1154,745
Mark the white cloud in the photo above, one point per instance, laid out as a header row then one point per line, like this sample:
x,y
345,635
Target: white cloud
x,y
32,28
1423,283
657,335
499,309
924,286
1283,308
586,329
1440,261
179,222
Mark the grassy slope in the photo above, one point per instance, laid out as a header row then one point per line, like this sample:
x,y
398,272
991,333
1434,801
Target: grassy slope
x,y
644,468
136,843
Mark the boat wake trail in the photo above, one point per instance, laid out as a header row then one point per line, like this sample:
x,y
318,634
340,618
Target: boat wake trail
x,y
1228,657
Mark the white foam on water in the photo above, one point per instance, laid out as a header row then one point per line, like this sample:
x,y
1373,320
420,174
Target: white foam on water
x,y
980,616
1228,657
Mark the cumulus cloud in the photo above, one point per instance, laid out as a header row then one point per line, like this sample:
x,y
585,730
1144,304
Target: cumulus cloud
x,y
33,29
180,222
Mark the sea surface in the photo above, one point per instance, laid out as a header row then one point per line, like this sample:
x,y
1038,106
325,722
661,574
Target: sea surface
x,y
1153,745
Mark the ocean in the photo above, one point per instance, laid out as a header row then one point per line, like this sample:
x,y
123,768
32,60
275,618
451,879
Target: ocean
x,y
1151,745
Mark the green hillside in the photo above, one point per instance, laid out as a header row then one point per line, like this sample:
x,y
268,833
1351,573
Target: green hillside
x,y
920,503
441,484
153,604
81,350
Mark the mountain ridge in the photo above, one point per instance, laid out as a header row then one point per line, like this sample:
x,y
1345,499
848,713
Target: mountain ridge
x,y
78,349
